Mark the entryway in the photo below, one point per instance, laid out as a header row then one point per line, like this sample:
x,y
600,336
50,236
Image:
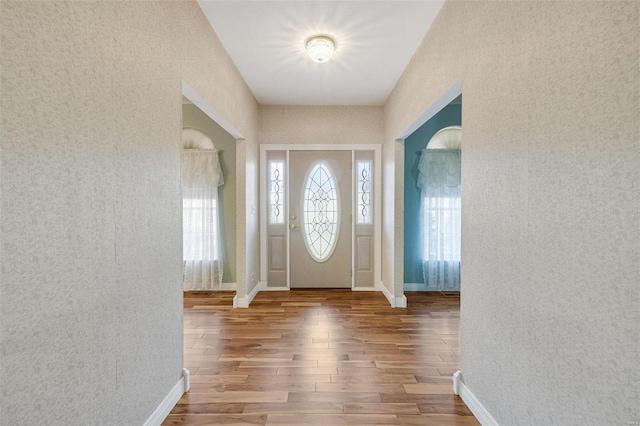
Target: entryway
x,y
320,216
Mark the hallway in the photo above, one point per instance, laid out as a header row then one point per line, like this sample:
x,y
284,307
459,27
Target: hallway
x,y
325,357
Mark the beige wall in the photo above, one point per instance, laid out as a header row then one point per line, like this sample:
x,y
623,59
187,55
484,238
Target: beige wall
x,y
321,124
91,298
550,171
90,288
193,117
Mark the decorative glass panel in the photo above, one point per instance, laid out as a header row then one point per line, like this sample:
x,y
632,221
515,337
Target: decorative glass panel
x,y
276,192
364,213
320,212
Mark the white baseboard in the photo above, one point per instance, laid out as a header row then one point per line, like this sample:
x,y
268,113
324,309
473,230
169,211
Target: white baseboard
x,y
401,302
244,302
364,289
186,376
395,302
380,286
266,288
167,404
479,411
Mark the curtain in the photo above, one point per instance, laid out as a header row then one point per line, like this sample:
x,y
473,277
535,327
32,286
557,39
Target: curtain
x,y
439,179
202,248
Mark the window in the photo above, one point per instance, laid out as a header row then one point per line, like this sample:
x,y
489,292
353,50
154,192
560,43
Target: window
x,y
439,179
202,246
441,222
364,213
200,237
276,192
321,211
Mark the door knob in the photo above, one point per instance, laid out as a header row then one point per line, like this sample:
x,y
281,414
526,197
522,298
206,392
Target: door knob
x,y
293,217
293,226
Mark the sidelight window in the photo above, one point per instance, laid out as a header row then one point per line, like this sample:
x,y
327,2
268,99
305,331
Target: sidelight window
x,y
276,192
364,214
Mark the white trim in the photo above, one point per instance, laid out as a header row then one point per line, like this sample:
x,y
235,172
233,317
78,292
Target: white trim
x,y
239,302
444,100
244,302
364,289
354,195
415,287
191,94
381,287
265,288
457,379
186,376
320,147
395,302
377,216
167,404
260,285
287,194
479,411
401,302
262,190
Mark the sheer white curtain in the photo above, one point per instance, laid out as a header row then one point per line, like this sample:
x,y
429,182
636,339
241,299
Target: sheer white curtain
x,y
439,178
202,248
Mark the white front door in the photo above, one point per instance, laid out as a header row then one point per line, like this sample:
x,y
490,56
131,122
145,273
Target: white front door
x,y
320,216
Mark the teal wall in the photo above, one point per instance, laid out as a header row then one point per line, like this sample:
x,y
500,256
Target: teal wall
x,y
449,116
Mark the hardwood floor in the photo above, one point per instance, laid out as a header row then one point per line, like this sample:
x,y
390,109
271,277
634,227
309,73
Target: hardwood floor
x,y
321,357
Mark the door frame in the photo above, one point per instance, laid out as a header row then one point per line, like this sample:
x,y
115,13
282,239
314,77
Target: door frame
x,y
400,287
192,95
377,208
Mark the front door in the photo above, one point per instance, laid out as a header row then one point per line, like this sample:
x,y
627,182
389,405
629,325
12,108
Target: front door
x,y
320,205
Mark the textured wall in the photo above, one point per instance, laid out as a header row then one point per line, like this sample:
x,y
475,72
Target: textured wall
x,y
90,287
321,124
193,117
550,183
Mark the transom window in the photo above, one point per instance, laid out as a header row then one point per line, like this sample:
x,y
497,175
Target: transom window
x,y
321,211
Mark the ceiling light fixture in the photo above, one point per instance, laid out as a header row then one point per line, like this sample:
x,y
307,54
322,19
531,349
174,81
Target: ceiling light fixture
x,y
320,48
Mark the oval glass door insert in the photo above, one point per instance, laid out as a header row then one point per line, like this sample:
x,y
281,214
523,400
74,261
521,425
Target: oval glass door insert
x,y
320,211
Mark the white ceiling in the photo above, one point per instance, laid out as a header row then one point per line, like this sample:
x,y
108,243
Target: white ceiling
x,y
375,41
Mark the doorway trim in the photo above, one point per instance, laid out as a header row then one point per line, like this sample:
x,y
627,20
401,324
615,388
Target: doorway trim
x,y
195,98
445,99
377,208
191,94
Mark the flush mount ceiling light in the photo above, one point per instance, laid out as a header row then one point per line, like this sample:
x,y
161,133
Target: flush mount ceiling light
x,y
320,48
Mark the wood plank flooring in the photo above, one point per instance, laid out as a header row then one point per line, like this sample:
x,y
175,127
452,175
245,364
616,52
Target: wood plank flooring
x,y
321,357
